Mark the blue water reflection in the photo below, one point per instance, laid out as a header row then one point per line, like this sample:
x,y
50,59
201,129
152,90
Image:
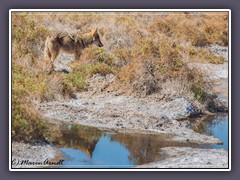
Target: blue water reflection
x,y
106,154
213,125
218,127
88,147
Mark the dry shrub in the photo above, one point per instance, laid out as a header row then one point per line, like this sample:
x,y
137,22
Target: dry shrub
x,y
146,47
26,31
163,26
176,87
28,85
128,72
95,54
27,126
171,63
204,55
200,88
145,82
200,29
122,57
124,21
117,37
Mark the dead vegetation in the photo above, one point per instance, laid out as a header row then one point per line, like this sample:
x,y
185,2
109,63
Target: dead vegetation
x,y
146,52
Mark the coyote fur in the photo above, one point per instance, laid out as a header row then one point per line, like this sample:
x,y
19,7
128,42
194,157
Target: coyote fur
x,y
71,44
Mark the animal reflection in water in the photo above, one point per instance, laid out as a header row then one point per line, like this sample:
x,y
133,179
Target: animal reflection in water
x,y
142,148
78,137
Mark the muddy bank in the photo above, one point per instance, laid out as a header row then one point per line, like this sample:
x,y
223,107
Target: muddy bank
x,y
185,157
119,112
37,155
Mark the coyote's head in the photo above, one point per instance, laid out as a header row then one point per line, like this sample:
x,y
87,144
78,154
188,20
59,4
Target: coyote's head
x,y
96,38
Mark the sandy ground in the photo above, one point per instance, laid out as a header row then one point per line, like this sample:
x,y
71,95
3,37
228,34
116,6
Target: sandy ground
x,y
185,157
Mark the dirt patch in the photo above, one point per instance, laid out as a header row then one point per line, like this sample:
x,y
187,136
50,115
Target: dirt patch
x,y
185,157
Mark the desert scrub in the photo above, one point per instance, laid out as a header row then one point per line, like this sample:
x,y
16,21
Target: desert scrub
x,y
26,31
122,54
27,126
28,85
199,29
89,69
142,50
98,68
146,47
171,62
102,55
199,87
204,55
125,20
95,54
128,72
86,17
95,61
74,82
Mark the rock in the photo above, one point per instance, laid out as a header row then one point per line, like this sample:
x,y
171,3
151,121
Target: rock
x,y
65,71
191,111
218,104
164,118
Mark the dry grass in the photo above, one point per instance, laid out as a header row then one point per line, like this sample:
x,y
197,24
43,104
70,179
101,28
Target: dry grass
x,y
144,51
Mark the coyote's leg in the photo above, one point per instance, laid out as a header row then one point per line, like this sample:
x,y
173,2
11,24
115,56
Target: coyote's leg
x,y
47,53
78,50
54,53
77,55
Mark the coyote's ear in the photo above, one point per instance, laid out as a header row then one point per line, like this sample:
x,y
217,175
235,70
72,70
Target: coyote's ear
x,y
94,32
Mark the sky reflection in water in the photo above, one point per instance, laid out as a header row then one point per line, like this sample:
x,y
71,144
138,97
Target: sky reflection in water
x,y
88,147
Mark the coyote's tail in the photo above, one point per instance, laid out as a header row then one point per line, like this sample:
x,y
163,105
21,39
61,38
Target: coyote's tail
x,y
47,53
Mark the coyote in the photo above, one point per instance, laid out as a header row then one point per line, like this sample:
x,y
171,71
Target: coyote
x,y
71,44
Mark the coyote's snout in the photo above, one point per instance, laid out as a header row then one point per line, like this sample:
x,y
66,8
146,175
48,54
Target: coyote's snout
x,y
72,44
